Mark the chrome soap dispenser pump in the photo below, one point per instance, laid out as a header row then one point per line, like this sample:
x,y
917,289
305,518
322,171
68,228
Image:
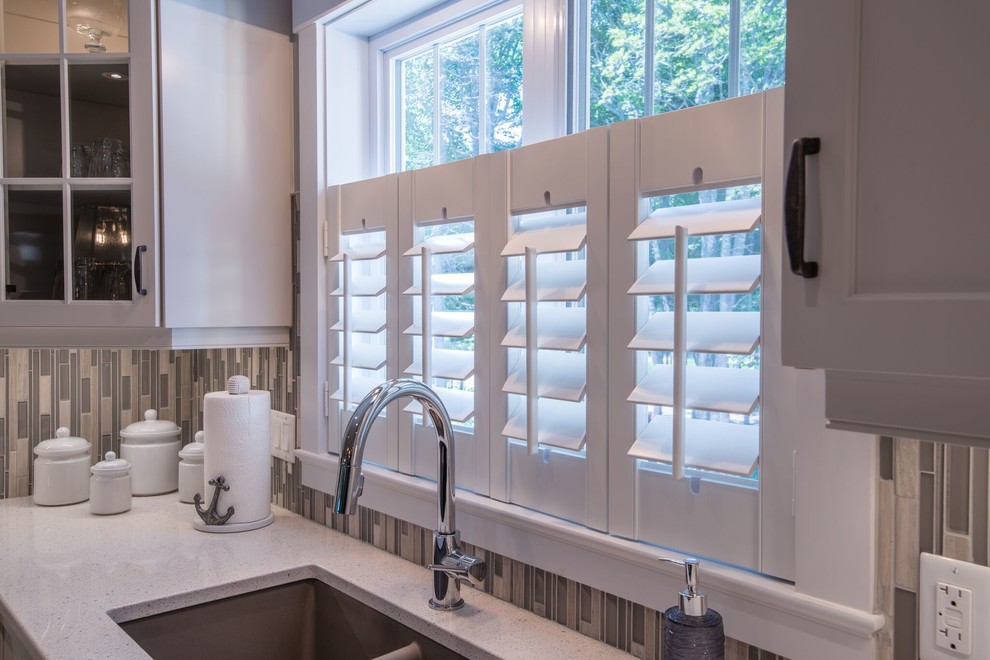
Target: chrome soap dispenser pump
x,y
690,629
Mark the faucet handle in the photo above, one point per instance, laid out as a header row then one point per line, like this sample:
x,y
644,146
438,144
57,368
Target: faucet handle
x,y
462,567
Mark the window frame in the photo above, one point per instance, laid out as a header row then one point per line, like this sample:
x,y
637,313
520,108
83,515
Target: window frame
x,y
581,113
827,612
392,46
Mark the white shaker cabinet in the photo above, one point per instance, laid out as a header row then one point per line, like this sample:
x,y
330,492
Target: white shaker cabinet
x,y
199,216
894,213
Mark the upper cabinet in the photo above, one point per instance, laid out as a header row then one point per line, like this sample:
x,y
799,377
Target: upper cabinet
x,y
890,289
146,175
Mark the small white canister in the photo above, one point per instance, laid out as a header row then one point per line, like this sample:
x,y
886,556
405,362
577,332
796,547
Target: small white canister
x,y
61,470
191,470
110,486
152,449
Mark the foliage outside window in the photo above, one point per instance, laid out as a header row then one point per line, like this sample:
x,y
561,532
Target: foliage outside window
x,y
460,96
644,58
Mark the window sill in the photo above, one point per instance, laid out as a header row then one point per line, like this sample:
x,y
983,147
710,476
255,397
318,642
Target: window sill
x,y
757,610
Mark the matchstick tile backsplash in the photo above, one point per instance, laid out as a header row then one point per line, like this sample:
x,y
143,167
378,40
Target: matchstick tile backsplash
x,y
96,393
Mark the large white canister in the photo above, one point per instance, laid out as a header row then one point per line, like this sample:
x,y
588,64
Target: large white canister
x,y
152,449
61,470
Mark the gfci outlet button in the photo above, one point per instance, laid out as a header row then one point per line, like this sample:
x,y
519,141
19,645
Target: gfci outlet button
x,y
955,605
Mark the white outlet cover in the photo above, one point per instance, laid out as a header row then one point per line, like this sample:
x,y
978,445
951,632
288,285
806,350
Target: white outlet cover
x,y
964,575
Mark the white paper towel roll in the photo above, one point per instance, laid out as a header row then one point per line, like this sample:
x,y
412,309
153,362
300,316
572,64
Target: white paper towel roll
x,y
238,445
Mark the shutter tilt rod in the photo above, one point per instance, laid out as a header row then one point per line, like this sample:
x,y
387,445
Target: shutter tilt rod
x,y
532,377
680,353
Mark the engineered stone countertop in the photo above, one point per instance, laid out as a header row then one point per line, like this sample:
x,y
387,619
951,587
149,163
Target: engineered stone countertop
x,y
66,576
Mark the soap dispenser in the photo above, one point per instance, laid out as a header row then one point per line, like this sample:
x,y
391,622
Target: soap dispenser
x,y
690,629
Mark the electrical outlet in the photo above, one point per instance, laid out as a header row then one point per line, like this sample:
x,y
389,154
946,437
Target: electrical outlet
x,y
952,595
283,441
954,618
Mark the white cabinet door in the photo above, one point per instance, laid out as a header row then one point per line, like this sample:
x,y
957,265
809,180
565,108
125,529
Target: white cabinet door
x,y
226,122
896,209
78,211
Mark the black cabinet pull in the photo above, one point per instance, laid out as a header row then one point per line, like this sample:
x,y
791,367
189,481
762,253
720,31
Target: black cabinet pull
x,y
138,270
794,203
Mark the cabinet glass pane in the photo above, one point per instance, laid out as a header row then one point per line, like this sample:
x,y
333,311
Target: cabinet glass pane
x,y
96,26
30,26
33,124
34,245
98,120
101,245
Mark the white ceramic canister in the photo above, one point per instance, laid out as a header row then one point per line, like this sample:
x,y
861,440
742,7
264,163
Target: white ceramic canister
x,y
191,470
152,449
110,486
61,470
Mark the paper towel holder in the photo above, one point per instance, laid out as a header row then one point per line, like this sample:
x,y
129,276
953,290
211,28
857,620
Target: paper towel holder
x,y
211,516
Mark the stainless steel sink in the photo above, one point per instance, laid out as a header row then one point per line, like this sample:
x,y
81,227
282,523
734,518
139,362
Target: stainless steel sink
x,y
305,619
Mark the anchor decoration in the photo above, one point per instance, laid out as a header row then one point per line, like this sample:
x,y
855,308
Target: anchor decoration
x,y
210,516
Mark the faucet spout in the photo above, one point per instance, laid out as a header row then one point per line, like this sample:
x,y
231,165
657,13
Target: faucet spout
x,y
450,566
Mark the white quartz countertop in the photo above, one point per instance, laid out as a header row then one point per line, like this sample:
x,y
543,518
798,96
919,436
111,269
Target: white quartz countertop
x,y
67,576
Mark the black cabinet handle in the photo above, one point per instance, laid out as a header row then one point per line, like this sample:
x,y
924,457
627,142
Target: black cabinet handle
x,y
138,271
794,203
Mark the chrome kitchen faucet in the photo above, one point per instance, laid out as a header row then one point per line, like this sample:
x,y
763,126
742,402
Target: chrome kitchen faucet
x,y
450,565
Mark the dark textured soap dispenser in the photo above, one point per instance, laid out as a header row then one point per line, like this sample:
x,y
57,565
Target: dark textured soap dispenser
x,y
690,629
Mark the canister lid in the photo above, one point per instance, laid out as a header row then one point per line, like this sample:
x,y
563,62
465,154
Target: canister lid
x,y
63,445
151,428
193,452
111,466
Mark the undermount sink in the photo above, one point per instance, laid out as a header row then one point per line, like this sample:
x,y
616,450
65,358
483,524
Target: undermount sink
x,y
307,619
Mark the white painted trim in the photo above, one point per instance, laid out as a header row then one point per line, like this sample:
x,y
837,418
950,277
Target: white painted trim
x,y
148,338
758,610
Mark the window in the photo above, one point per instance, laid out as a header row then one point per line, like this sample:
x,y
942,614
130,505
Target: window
x,y
459,94
503,272
640,57
743,519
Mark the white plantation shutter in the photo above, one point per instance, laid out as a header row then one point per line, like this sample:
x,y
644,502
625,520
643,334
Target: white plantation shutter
x,y
442,303
550,246
361,233
687,262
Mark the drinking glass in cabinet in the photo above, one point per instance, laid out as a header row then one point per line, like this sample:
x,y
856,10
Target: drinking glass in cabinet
x,y
99,120
35,266
30,26
96,26
33,126
101,246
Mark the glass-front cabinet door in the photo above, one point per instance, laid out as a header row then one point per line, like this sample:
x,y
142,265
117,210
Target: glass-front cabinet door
x,y
78,215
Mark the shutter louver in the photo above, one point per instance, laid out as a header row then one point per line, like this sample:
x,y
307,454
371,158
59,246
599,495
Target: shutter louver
x,y
549,330
695,344
447,369
362,351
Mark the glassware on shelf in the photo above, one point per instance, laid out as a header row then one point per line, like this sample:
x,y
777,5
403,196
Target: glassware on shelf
x,y
102,247
96,20
105,152
82,156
